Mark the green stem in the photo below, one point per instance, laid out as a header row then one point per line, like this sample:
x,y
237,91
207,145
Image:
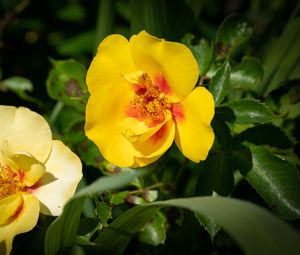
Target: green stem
x,y
105,20
55,112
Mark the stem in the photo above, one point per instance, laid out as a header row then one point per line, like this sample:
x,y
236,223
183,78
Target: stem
x,y
156,185
105,20
55,112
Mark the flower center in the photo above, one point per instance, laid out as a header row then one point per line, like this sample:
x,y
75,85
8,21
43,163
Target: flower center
x,y
149,103
10,182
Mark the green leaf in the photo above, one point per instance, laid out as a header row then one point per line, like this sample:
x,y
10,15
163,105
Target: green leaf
x,y
202,51
209,224
247,75
20,86
103,212
245,111
119,198
282,55
217,175
219,86
264,134
161,18
61,233
234,31
66,83
276,180
154,231
222,132
255,229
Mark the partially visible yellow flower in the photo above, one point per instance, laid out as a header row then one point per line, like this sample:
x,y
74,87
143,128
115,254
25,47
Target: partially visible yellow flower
x,y
142,97
37,174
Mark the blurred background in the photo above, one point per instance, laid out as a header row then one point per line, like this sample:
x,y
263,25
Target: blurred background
x,y
32,31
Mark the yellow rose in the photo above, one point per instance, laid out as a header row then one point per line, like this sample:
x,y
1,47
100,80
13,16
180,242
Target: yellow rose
x,y
142,97
37,174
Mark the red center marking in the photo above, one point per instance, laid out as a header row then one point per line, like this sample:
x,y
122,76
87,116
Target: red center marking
x,y
178,112
160,134
162,83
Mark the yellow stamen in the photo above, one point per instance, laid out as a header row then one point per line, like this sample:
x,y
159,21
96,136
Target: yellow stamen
x,y
10,182
149,103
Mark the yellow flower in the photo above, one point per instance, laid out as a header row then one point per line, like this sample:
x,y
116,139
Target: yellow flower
x,y
37,174
142,97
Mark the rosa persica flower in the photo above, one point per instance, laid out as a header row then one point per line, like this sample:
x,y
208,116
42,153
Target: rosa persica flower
x,y
37,174
143,97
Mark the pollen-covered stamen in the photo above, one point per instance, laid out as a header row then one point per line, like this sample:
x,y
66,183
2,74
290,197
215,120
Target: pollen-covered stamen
x,y
149,103
10,181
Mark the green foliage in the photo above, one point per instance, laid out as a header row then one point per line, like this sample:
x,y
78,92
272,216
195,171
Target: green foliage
x,y
66,83
219,85
234,31
249,63
276,180
245,111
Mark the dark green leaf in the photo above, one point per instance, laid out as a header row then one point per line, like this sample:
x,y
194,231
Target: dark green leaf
x,y
217,175
222,132
161,18
234,31
202,51
255,229
66,83
209,224
219,86
282,56
265,134
245,111
154,231
276,180
247,75
62,231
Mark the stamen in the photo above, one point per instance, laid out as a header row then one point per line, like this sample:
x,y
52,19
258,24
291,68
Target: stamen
x,y
10,181
149,104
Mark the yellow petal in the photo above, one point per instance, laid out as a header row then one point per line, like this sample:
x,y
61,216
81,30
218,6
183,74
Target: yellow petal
x,y
104,110
25,131
194,135
23,221
171,65
63,173
156,145
112,61
32,169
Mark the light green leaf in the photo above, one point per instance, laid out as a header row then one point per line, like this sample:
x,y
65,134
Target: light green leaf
x,y
234,31
209,224
202,51
20,86
276,180
154,231
103,212
245,111
255,229
247,75
66,83
219,86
